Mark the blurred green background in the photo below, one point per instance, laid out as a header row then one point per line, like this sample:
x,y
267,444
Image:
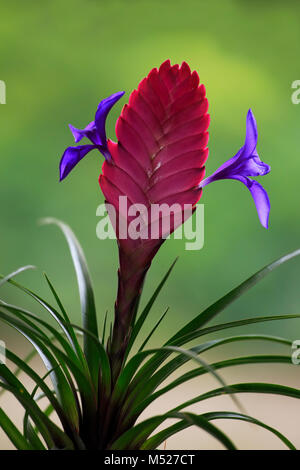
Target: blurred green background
x,y
60,58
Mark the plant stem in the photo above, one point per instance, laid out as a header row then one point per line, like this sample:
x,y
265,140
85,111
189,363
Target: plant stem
x,y
134,265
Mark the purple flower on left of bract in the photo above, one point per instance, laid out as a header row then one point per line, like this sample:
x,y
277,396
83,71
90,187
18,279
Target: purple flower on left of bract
x,y
244,164
94,131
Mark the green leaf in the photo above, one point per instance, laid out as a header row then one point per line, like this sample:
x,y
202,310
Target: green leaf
x,y
153,364
73,337
104,328
193,329
33,438
13,433
30,356
153,330
25,314
29,432
88,308
210,312
54,437
135,437
262,359
71,355
58,318
120,389
39,383
103,358
154,441
12,384
139,388
203,423
266,388
191,355
140,432
235,324
60,384
85,387
131,402
63,321
15,273
242,417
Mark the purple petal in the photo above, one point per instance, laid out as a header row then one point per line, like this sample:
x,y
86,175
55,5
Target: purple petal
x,y
260,197
103,109
246,162
242,159
90,131
95,130
251,134
252,166
223,172
70,158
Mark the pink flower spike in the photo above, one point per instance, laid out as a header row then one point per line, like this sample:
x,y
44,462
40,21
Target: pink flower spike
x,y
158,160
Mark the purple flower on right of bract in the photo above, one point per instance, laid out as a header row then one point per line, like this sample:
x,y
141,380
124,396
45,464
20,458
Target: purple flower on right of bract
x,y
244,164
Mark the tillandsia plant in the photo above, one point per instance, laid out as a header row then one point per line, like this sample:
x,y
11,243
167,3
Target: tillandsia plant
x,y
99,389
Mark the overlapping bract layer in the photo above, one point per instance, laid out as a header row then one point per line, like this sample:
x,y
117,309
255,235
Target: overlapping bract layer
x,y
162,143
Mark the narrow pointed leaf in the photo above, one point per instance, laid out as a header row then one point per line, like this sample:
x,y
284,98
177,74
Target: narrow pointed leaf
x,y
235,324
104,328
88,308
13,433
33,438
193,328
203,423
265,388
159,358
50,432
154,441
136,437
53,312
210,312
140,390
262,359
153,330
15,273
249,419
60,384
39,383
103,358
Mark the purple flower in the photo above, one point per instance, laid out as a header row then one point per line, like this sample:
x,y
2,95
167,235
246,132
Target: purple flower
x,y
94,131
244,164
